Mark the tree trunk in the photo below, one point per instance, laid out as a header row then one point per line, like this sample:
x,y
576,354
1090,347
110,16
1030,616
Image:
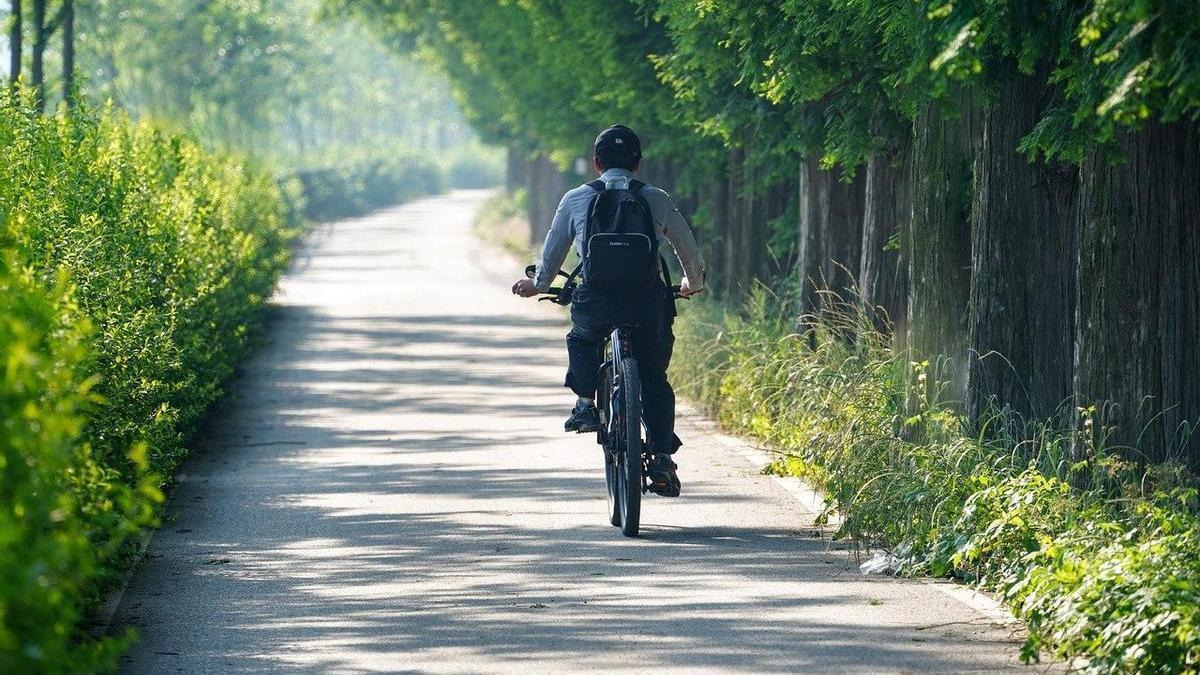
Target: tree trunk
x,y
68,53
734,272
883,277
14,44
1137,328
776,201
938,245
40,35
750,220
717,202
546,187
843,233
812,210
756,213
1022,267
514,169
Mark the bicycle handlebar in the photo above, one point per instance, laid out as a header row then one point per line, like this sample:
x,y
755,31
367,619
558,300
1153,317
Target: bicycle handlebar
x,y
562,295
558,296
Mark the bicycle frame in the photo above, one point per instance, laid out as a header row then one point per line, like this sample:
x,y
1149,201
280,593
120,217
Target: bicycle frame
x,y
618,347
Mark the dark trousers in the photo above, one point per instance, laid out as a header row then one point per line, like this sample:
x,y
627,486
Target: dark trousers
x,y
594,315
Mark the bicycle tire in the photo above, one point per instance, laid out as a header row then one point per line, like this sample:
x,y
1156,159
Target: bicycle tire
x,y
612,474
630,432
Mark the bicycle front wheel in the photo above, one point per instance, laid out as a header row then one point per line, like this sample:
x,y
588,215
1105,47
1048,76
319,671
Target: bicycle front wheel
x,y
629,429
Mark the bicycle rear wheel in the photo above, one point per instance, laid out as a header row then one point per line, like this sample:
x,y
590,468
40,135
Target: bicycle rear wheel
x,y
608,441
629,430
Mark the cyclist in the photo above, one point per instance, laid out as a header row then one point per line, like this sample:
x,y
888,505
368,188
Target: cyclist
x,y
617,155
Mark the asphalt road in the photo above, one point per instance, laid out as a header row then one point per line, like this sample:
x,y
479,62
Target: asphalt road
x,y
388,488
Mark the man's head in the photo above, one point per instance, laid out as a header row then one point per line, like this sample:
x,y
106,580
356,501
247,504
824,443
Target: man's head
x,y
617,147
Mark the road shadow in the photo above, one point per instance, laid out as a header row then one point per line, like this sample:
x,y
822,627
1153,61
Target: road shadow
x,y
341,511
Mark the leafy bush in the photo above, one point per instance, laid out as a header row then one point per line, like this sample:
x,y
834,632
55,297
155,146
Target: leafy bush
x,y
44,543
134,269
1108,572
356,186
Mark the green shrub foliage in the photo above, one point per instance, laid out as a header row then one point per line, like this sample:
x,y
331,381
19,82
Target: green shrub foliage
x,y
46,480
134,268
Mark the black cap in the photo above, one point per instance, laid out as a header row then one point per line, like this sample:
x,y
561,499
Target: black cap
x,y
618,141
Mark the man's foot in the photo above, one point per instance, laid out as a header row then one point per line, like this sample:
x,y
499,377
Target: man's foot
x,y
663,480
584,418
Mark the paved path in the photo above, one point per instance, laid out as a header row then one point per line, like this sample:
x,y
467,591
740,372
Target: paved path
x,y
388,489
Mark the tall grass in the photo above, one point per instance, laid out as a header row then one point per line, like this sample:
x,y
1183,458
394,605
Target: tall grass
x,y
1108,573
133,266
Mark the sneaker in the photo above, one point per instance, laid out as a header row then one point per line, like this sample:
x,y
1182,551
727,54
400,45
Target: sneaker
x,y
663,480
584,418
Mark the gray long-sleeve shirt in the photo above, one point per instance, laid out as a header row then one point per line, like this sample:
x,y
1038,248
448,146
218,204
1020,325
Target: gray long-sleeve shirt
x,y
570,220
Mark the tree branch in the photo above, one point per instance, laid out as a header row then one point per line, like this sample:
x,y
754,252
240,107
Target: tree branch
x,y
55,21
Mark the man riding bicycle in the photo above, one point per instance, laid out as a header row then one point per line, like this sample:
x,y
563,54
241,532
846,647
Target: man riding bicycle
x,y
617,155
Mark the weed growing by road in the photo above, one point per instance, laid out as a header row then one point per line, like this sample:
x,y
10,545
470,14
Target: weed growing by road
x,y
1107,572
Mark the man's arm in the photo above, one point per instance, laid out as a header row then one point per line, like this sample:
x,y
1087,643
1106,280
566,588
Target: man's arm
x,y
677,231
557,245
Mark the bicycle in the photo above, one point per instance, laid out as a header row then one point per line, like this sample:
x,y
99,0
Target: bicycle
x,y
619,402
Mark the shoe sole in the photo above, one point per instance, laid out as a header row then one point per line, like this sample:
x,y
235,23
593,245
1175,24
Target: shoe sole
x,y
584,430
664,488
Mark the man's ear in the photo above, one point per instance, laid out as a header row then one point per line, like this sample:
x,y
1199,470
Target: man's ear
x,y
596,166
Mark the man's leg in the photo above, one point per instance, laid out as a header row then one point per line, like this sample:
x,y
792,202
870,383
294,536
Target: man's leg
x,y
585,343
653,346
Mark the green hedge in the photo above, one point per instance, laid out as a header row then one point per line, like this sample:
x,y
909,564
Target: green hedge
x,y
1108,573
134,267
356,186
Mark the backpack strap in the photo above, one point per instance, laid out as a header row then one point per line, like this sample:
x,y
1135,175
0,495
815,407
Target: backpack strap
x,y
575,273
599,186
636,187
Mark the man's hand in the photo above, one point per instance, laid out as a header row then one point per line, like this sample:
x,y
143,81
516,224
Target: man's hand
x,y
524,288
685,289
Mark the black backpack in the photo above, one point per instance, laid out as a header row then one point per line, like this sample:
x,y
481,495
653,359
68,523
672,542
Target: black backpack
x,y
620,240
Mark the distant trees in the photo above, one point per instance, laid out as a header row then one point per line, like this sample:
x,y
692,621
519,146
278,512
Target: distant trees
x,y
1014,182
47,19
268,77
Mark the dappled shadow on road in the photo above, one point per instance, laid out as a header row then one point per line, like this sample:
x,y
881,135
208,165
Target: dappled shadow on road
x,y
389,528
